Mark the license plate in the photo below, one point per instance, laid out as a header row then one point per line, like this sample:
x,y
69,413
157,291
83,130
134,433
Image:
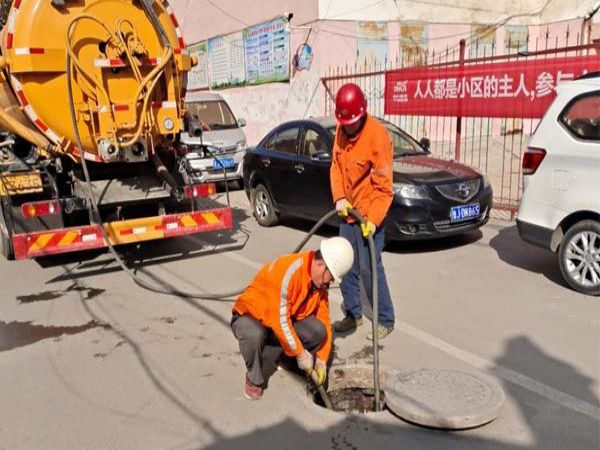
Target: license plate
x,y
223,163
467,212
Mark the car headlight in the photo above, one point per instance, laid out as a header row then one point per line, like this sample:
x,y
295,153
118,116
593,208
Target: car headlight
x,y
410,191
240,145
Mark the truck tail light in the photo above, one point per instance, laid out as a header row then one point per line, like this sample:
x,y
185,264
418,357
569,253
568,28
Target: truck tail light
x,y
532,159
40,209
200,190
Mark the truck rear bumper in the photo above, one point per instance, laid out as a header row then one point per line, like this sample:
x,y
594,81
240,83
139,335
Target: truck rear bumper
x,y
64,240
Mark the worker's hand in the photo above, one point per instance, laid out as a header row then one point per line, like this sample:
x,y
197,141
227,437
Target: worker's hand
x,y
305,361
342,206
321,372
368,229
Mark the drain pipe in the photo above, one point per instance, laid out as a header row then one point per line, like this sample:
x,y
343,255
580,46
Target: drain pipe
x,y
375,321
321,391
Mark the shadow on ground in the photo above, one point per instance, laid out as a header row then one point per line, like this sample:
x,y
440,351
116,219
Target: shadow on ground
x,y
548,426
514,251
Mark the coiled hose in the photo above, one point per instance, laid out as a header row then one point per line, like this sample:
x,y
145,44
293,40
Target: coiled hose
x,y
95,218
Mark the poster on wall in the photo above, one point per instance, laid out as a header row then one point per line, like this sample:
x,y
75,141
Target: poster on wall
x,y
483,38
515,39
267,48
413,44
198,75
372,42
227,61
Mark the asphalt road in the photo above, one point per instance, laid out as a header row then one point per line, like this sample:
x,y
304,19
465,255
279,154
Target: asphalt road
x,y
88,359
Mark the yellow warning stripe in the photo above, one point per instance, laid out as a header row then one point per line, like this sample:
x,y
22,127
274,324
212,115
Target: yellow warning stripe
x,y
41,242
68,238
188,221
211,218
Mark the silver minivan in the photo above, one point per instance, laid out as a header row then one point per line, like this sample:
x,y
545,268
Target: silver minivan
x,y
222,135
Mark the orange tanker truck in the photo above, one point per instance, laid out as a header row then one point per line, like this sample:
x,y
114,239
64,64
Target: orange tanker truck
x,y
91,107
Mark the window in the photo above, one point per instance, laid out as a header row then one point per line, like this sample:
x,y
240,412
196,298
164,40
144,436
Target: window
x,y
313,143
215,115
582,117
286,140
402,145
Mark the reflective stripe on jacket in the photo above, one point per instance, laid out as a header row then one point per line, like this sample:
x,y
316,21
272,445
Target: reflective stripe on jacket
x,y
362,172
280,295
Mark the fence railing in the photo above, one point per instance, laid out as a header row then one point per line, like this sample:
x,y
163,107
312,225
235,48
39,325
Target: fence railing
x,y
494,146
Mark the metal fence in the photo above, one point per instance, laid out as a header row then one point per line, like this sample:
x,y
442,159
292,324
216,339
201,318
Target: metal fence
x,y
494,146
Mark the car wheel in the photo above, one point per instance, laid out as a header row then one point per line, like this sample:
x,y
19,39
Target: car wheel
x,y
579,257
262,205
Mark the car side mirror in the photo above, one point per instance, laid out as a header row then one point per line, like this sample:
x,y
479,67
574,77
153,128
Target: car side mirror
x,y
321,156
242,122
425,143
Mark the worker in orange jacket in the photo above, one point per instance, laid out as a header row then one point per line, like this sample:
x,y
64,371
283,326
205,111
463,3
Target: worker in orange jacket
x,y
361,178
285,310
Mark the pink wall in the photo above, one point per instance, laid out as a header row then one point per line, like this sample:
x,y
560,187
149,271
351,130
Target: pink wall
x,y
202,19
334,46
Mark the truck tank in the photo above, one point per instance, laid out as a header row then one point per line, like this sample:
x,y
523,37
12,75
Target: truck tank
x,y
91,107
127,69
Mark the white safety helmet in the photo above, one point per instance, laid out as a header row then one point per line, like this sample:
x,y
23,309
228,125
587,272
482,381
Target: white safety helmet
x,y
338,256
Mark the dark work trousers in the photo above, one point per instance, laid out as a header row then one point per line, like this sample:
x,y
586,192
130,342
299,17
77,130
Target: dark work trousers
x,y
260,347
361,269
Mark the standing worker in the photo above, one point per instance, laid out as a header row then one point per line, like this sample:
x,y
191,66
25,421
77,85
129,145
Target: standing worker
x,y
361,179
285,309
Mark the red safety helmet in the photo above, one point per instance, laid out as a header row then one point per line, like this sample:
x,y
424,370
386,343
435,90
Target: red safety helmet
x,y
350,104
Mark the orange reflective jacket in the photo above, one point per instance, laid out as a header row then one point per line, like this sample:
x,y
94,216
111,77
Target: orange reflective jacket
x,y
281,294
361,170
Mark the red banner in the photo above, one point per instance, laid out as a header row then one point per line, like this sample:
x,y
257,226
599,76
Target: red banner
x,y
519,89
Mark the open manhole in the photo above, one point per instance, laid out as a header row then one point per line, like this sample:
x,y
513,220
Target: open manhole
x,y
433,398
350,389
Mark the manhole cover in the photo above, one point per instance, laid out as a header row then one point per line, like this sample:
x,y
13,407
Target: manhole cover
x,y
443,398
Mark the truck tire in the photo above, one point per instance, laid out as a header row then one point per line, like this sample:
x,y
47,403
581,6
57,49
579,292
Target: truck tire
x,y
262,206
579,257
4,10
6,232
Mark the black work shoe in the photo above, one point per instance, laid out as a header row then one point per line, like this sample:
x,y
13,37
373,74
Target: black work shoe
x,y
348,323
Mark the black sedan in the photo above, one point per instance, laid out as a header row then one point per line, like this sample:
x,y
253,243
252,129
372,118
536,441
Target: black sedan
x,y
287,173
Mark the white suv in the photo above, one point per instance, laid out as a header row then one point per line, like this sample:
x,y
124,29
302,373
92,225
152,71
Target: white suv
x,y
560,208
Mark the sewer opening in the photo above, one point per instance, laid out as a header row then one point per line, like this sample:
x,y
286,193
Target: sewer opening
x,y
352,399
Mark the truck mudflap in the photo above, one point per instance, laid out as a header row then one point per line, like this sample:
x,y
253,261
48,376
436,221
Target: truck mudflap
x,y
64,240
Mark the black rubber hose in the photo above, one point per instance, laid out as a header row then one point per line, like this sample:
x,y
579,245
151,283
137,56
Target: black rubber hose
x,y
95,218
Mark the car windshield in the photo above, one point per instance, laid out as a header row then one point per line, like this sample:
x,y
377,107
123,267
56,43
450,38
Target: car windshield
x,y
215,115
404,145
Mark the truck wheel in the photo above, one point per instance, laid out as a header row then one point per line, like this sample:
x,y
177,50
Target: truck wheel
x,y
262,206
579,257
6,247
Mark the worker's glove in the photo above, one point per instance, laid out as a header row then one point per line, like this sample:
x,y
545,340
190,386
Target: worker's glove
x,y
342,206
305,361
368,229
320,372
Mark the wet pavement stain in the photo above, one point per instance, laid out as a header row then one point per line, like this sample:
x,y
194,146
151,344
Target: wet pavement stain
x,y
41,297
46,296
168,320
19,334
366,352
91,292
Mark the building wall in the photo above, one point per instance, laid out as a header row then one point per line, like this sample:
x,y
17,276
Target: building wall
x,y
333,37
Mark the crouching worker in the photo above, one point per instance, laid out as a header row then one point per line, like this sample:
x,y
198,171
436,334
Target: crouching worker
x,y
285,310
